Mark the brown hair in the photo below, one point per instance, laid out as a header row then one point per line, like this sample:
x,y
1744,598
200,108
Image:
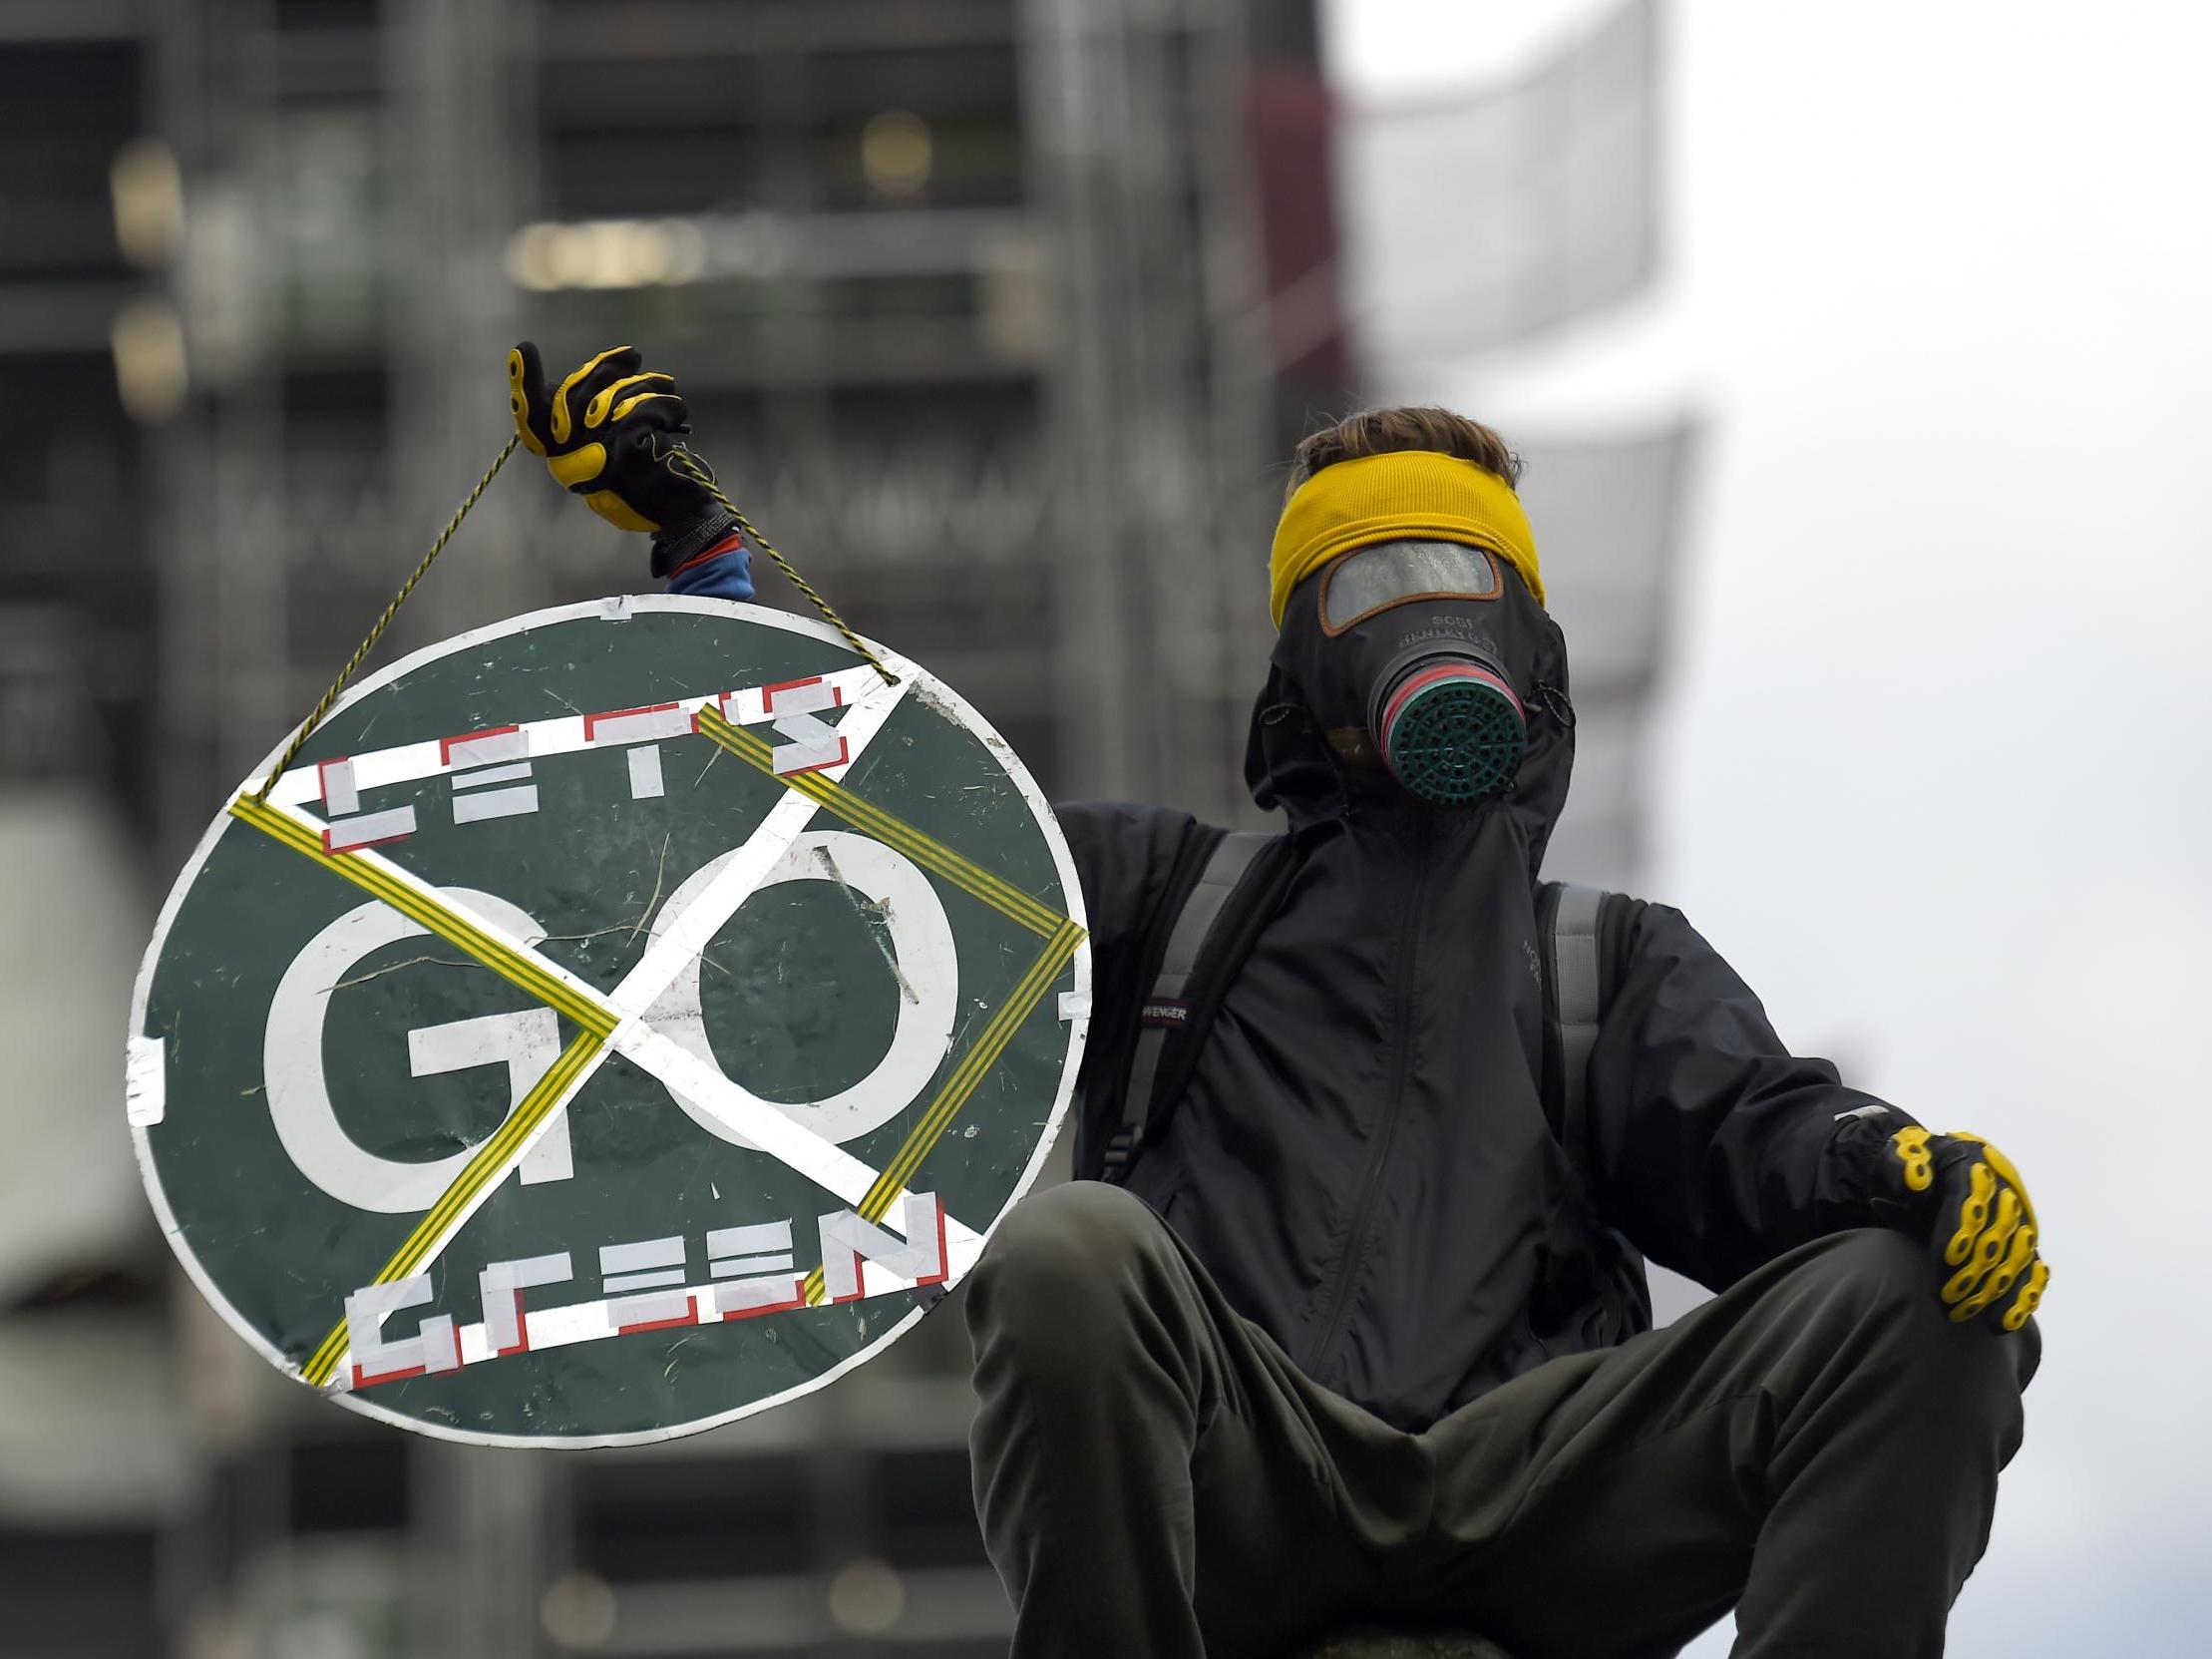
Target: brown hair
x,y
1383,431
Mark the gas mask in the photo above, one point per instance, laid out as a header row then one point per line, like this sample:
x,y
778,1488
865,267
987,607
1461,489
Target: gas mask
x,y
1421,657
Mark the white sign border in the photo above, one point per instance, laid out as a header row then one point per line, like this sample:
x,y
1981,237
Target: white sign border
x,y
618,609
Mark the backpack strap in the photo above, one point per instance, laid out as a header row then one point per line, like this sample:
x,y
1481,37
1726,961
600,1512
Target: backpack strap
x,y
1586,936
1573,967
1207,943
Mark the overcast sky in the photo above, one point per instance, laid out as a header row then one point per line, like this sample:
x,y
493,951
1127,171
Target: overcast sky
x,y
1933,766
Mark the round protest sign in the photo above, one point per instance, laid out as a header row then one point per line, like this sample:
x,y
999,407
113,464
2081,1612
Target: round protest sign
x,y
615,1021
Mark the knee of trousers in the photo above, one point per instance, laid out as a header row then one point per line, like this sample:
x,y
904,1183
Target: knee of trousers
x,y
1884,1290
1071,1262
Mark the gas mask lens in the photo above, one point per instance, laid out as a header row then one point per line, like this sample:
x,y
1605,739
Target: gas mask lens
x,y
1374,580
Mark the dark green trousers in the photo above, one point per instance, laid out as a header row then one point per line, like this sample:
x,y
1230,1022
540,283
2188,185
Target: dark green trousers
x,y
1817,1447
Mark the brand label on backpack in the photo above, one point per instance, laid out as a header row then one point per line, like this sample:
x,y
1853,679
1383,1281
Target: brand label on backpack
x,y
1172,1014
616,1022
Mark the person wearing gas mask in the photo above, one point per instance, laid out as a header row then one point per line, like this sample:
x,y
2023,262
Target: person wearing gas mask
x,y
1364,1333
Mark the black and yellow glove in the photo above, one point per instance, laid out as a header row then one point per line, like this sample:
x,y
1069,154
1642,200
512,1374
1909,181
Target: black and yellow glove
x,y
1965,1199
609,433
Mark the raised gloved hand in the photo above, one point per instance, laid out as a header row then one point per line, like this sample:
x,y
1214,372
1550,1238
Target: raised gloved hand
x,y
609,433
1963,1198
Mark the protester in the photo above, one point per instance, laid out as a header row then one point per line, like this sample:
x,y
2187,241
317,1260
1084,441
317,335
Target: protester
x,y
1360,1330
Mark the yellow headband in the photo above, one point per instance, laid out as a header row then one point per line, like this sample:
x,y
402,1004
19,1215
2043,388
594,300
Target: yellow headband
x,y
1409,495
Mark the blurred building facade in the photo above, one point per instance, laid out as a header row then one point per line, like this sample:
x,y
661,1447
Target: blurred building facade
x,y
998,315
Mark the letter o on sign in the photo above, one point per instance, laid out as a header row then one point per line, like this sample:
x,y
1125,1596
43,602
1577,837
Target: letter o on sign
x,y
926,960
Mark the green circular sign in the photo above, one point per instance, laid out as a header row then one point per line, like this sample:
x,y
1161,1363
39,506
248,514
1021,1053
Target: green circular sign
x,y
614,1023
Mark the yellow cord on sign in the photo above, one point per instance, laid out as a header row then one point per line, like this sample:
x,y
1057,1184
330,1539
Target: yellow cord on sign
x,y
323,708
353,664
699,476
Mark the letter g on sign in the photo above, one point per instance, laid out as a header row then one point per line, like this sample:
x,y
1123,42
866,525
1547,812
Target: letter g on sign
x,y
526,1041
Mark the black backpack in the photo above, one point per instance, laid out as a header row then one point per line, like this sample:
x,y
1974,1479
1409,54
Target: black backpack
x,y
1213,911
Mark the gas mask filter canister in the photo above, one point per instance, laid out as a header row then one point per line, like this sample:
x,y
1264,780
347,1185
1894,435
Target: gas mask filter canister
x,y
1450,730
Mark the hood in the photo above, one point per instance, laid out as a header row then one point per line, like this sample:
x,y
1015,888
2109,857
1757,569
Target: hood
x,y
1310,753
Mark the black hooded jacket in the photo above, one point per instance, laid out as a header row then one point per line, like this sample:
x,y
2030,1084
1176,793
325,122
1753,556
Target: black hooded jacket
x,y
1364,1158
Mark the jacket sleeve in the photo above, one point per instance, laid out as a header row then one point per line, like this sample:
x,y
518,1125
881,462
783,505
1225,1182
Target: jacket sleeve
x,y
1125,861
1709,1144
721,570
